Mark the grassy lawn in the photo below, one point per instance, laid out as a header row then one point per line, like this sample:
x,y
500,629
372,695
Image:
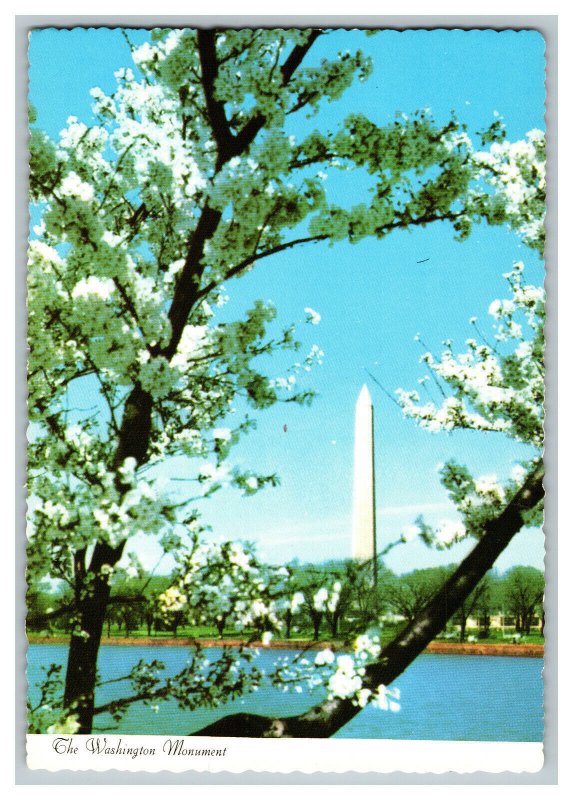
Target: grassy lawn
x,y
496,637
388,633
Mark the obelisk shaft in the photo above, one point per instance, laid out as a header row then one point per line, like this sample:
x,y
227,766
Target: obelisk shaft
x,y
363,510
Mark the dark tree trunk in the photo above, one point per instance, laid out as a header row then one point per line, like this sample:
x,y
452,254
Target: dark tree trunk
x,y
334,626
79,693
316,627
463,622
485,623
288,623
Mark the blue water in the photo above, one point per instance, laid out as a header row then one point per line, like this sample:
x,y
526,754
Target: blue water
x,y
483,698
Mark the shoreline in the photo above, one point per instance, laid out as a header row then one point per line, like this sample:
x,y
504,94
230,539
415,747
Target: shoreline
x,y
435,647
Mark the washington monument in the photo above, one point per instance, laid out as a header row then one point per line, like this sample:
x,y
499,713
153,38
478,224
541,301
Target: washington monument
x,y
364,499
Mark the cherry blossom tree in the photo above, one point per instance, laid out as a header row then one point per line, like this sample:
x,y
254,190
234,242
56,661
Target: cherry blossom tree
x,y
188,180
226,585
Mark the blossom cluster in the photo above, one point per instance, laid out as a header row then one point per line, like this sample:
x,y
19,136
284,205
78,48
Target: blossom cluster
x,y
516,171
491,390
498,389
343,677
225,584
325,599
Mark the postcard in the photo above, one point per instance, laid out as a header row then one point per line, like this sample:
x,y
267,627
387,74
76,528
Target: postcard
x,y
286,399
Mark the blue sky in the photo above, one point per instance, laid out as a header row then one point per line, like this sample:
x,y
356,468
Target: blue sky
x,y
373,298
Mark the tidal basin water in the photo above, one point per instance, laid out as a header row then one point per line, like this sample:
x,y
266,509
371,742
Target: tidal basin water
x,y
475,698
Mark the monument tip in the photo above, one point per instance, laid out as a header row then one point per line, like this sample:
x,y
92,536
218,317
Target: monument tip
x,y
364,395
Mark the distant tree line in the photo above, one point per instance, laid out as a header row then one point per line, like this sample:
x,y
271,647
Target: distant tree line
x,y
335,600
514,599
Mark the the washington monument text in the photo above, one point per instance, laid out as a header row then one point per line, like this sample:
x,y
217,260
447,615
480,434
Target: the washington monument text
x,y
364,501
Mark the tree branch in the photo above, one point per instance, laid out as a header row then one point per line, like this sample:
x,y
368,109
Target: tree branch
x,y
215,108
229,145
246,262
187,288
294,60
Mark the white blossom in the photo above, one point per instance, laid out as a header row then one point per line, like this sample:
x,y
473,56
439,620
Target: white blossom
x,y
409,533
73,186
224,434
93,286
449,532
312,316
324,657
320,598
